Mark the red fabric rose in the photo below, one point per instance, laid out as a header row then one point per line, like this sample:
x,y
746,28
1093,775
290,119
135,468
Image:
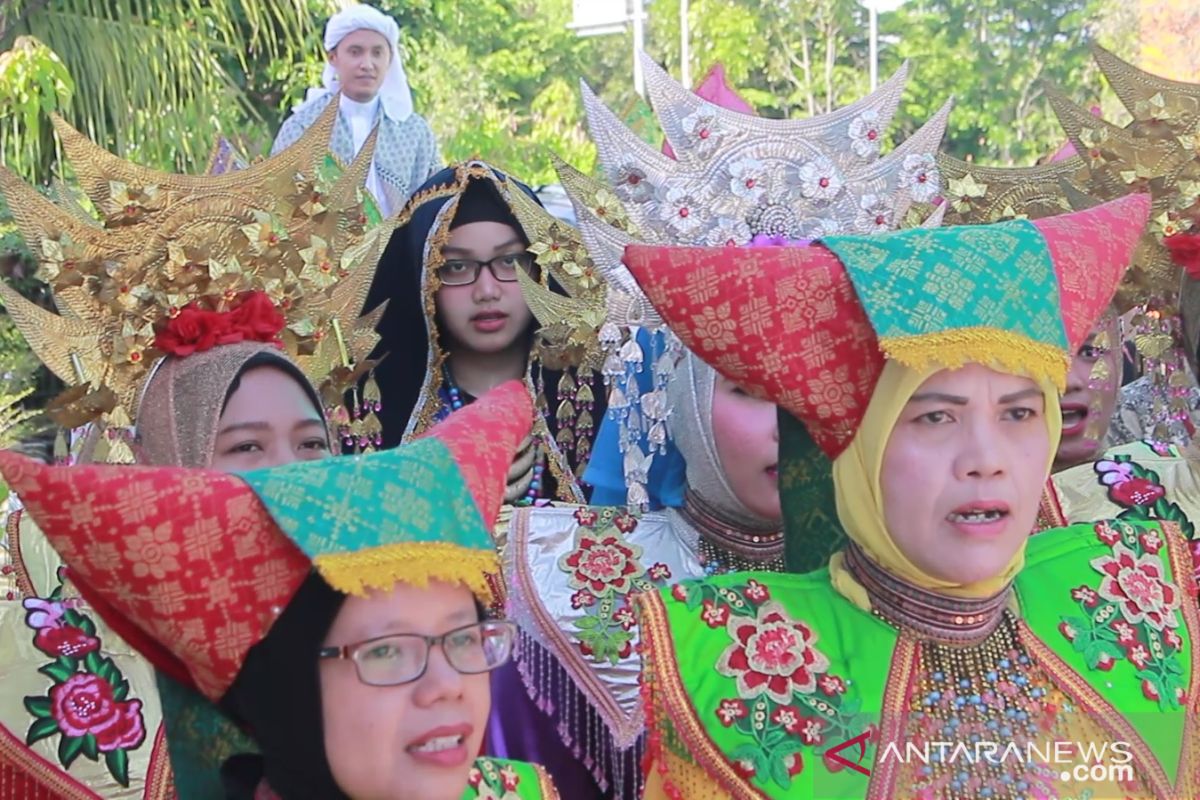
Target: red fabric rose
x,y
85,704
195,330
65,640
258,319
1185,251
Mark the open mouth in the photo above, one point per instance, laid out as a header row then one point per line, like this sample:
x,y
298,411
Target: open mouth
x,y
981,516
438,744
1074,418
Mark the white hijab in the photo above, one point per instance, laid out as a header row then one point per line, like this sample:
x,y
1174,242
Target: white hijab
x,y
394,95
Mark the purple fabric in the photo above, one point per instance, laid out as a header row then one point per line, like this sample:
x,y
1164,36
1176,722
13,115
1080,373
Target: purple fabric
x,y
519,730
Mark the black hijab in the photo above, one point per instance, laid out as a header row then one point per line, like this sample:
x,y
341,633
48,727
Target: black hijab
x,y
474,188
277,696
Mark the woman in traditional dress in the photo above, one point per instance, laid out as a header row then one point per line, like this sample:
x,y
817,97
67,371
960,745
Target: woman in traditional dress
x,y
335,608
456,324
224,392
572,571
942,620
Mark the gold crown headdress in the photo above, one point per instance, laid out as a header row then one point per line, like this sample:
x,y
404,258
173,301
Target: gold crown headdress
x,y
302,237
1157,152
734,177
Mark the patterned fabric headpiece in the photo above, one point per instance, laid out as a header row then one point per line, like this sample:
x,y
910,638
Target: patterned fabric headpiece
x,y
192,567
734,178
297,227
809,328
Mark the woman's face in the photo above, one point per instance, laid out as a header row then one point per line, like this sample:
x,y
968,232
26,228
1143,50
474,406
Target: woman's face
x,y
488,316
415,740
1087,406
963,472
746,433
268,421
361,60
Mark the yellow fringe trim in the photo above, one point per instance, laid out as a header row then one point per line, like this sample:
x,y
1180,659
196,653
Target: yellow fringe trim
x,y
1004,350
414,563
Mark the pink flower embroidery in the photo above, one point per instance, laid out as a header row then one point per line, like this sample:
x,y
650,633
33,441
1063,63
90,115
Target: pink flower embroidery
x,y
660,572
811,731
730,711
832,685
1106,533
1136,584
772,654
1085,595
583,599
586,517
788,717
603,562
756,592
625,618
715,616
1126,633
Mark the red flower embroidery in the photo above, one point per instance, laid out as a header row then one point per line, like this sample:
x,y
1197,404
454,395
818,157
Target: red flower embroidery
x,y
789,717
475,777
772,654
625,522
1126,633
1172,638
1105,662
1067,630
1086,595
1136,492
603,562
730,711
1151,541
659,572
510,778
744,768
811,731
583,599
1139,655
794,763
715,616
65,640
586,517
1149,689
832,685
84,705
756,592
1106,533
624,617
679,592
1136,584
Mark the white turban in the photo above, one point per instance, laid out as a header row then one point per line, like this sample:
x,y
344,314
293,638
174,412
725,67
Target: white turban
x,y
394,94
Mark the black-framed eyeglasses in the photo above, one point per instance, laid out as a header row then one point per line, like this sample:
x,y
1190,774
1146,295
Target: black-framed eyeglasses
x,y
465,271
404,657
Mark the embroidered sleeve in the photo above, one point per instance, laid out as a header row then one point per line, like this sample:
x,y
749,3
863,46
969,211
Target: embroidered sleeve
x,y
1131,613
783,704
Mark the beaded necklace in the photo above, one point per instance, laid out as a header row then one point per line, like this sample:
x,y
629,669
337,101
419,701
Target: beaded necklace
x,y
727,547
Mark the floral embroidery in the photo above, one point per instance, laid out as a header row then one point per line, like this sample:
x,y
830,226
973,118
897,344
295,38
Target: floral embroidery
x,y
493,780
786,699
1139,492
88,703
865,136
1133,614
605,568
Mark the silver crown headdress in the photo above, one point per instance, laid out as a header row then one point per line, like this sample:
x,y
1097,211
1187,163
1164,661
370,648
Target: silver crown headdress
x,y
734,177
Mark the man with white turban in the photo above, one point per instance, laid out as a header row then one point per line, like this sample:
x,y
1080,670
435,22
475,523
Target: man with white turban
x,y
362,48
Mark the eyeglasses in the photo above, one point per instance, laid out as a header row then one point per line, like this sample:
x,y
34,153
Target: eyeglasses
x,y
465,271
404,657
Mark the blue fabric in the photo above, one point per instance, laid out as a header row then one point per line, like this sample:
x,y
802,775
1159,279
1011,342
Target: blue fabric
x,y
605,472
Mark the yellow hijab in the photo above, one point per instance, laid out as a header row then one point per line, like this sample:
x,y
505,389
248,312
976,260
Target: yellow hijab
x,y
856,475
